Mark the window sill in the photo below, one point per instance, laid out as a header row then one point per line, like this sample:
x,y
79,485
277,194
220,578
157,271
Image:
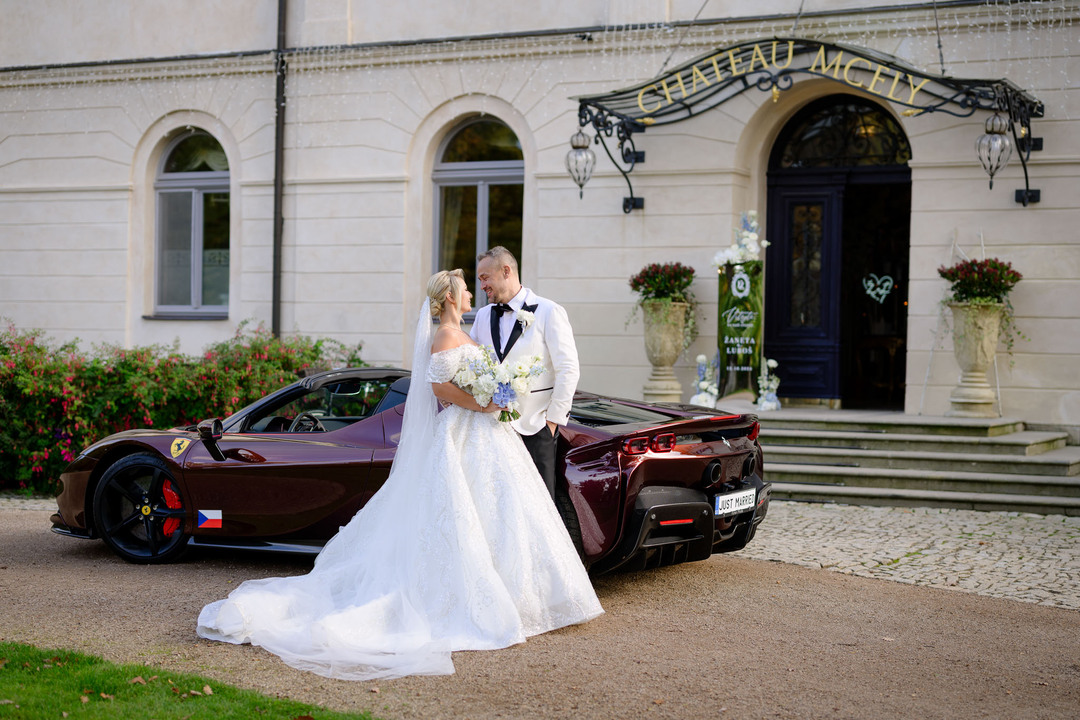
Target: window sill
x,y
187,316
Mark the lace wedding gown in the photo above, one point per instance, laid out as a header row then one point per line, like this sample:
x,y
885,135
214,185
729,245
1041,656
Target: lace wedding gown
x,y
465,551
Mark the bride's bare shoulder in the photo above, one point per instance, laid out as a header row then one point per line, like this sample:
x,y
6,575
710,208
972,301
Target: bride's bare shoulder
x,y
448,338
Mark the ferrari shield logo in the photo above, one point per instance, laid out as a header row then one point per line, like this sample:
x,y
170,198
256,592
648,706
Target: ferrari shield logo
x,y
178,446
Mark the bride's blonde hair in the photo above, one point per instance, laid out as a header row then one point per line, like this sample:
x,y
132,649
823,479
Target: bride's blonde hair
x,y
438,285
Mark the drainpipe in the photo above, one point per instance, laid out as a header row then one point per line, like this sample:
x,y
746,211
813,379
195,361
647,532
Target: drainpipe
x,y
279,168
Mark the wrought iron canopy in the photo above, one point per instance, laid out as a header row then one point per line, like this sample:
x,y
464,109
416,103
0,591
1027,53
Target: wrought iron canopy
x,y
772,65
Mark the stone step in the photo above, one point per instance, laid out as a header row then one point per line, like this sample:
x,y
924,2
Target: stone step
x,y
922,480
1025,442
1064,462
1041,504
871,421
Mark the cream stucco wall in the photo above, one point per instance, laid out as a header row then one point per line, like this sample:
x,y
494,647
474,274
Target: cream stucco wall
x,y
80,148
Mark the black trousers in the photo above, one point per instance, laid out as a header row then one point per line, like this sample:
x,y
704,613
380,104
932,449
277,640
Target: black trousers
x,y
542,448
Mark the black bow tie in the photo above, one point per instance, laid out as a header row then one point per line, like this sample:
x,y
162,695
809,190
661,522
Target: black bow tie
x,y
500,308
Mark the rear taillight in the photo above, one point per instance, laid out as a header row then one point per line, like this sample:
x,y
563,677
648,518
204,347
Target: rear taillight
x,y
754,430
641,445
663,443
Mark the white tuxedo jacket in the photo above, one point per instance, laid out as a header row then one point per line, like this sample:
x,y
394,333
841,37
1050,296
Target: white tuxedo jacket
x,y
551,337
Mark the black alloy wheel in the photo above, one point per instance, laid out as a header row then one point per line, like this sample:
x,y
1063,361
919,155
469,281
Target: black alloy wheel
x,y
138,510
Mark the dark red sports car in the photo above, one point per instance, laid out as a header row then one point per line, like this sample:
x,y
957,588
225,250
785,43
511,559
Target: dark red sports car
x,y
641,485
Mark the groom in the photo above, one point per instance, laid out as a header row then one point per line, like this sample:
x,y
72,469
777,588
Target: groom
x,y
504,325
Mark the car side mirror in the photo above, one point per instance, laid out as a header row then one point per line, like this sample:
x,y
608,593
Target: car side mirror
x,y
210,432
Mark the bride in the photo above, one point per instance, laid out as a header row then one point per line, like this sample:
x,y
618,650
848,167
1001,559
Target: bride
x,y
461,548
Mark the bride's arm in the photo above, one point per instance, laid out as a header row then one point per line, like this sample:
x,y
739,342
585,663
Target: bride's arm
x,y
448,392
451,393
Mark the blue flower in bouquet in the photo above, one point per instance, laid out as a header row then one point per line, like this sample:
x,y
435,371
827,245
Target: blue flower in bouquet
x,y
504,395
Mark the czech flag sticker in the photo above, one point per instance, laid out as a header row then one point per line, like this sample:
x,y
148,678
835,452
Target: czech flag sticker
x,y
209,518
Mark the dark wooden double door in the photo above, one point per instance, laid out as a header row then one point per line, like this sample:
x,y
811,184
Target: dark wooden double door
x,y
837,284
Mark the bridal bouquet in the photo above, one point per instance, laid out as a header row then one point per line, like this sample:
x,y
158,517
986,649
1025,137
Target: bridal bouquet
x,y
487,380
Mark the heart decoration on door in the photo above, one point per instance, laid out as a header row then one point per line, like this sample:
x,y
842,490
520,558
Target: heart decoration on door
x,y
878,287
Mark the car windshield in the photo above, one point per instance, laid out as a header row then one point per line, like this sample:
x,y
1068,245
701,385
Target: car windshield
x,y
333,405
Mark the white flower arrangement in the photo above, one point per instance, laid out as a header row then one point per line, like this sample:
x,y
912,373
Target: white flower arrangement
x,y
525,318
768,384
707,391
487,380
747,245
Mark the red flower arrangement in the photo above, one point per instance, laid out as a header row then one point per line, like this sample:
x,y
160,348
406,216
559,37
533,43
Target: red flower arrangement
x,y
990,280
670,280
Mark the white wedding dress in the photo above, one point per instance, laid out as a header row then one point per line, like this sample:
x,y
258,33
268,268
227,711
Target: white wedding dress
x,y
461,549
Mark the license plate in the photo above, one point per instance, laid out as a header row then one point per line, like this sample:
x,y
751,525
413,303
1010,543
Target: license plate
x,y
735,502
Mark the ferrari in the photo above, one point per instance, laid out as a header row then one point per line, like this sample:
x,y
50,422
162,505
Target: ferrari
x,y
640,485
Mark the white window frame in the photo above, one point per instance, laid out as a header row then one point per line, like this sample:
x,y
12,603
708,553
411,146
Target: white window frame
x,y
482,175
198,184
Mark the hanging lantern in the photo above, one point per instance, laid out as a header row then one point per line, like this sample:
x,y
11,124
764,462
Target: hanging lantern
x,y
581,160
994,147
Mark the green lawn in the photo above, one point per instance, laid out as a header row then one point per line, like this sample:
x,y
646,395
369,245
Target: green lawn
x,y
37,683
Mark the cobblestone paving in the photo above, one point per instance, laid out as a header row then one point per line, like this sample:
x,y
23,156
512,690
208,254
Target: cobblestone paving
x,y
1033,558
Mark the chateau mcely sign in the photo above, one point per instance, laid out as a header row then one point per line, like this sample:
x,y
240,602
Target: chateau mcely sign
x,y
772,65
778,55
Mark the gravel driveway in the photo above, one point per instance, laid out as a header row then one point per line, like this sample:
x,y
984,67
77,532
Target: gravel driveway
x,y
728,637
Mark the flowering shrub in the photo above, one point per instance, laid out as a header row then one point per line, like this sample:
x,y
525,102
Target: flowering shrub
x,y
55,399
989,281
747,245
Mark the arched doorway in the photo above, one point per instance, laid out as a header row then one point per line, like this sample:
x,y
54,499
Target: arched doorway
x,y
839,207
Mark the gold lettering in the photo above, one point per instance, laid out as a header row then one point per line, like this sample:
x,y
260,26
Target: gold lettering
x,y
641,101
678,76
835,64
790,54
757,55
667,93
695,75
915,88
895,80
847,69
733,63
876,80
716,69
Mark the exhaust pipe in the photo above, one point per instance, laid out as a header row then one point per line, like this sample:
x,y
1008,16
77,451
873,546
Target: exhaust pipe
x,y
749,465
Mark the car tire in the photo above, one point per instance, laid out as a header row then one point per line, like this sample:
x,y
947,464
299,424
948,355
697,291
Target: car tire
x,y
139,512
570,519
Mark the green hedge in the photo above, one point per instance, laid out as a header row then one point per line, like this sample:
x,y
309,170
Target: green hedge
x,y
56,399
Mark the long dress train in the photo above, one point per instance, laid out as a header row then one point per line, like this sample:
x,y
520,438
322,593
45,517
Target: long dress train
x,y
465,551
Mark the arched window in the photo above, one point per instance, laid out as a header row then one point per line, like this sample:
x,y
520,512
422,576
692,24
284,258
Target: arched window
x,y
841,131
192,259
479,180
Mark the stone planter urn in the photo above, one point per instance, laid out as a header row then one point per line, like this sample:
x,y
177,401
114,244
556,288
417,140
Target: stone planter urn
x,y
664,324
976,328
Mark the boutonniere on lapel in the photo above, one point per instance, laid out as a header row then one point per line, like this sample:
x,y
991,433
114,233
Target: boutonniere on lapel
x,y
525,316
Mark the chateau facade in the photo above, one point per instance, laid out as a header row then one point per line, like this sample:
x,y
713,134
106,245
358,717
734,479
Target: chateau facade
x,y
149,193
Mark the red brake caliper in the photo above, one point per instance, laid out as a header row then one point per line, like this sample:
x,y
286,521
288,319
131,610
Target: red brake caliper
x,y
172,501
